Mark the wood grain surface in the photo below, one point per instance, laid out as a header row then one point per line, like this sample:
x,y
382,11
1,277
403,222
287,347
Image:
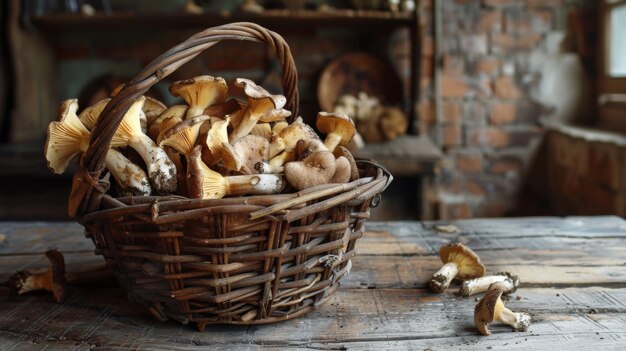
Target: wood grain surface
x,y
573,273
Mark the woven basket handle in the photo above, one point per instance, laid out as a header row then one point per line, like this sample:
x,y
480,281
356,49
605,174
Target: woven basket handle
x,y
167,63
83,199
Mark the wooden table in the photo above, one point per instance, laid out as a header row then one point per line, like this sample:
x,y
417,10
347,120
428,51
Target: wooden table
x,y
573,273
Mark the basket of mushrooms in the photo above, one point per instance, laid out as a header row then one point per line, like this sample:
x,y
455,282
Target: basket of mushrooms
x,y
217,210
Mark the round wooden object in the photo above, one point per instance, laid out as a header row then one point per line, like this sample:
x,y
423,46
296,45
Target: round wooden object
x,y
356,72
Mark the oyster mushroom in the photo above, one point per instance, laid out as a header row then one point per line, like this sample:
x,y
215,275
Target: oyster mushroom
x,y
305,147
176,111
251,149
161,170
510,283
314,170
459,261
200,92
338,127
287,138
205,183
354,170
342,171
491,308
221,152
279,126
90,115
68,137
260,101
263,130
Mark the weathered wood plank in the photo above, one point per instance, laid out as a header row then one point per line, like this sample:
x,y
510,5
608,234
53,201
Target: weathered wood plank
x,y
541,268
104,319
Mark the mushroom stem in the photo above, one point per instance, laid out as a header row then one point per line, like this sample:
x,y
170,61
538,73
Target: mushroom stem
x,y
259,184
332,140
131,178
267,168
443,277
52,280
479,285
161,169
518,320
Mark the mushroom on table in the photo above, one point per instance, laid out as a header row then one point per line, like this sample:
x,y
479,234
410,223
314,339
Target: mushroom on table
x,y
460,262
475,286
491,308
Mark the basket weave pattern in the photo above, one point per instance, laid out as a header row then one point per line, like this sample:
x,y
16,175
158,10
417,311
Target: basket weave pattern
x,y
240,260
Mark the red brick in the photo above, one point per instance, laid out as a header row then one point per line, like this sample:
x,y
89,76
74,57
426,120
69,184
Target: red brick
x,y
426,112
453,87
451,133
516,21
491,209
494,137
502,42
428,46
426,66
506,88
544,3
488,66
453,65
489,21
502,113
506,164
474,44
474,112
451,111
469,163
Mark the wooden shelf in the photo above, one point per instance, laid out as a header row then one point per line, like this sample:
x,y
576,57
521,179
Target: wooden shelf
x,y
269,18
409,155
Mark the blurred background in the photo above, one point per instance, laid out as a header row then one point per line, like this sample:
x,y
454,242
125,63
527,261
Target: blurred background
x,y
480,108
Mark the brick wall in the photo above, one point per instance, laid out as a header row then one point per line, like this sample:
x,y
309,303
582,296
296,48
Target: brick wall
x,y
488,126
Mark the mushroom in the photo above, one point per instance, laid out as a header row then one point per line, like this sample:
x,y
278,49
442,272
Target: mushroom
x,y
161,170
260,101
263,130
491,308
205,183
52,279
200,92
153,108
287,138
182,136
275,115
509,282
154,128
68,137
342,171
354,169
459,261
338,127
304,148
279,126
90,115
220,150
314,170
251,149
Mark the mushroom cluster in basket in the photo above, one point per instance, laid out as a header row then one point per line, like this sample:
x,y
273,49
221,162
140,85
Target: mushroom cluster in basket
x,y
214,146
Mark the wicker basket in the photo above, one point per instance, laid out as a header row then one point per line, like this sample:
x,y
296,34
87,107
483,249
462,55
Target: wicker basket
x,y
243,260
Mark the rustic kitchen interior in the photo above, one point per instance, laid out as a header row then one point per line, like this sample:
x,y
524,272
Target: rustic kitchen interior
x,y
499,121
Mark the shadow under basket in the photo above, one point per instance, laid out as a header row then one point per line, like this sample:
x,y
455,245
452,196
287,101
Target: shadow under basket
x,y
238,260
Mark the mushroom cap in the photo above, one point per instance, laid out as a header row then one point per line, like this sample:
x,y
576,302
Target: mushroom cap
x,y
66,138
90,115
275,115
153,108
354,169
487,308
263,130
154,128
314,170
336,123
223,109
342,171
279,126
201,92
468,263
182,136
203,182
256,92
252,149
305,147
